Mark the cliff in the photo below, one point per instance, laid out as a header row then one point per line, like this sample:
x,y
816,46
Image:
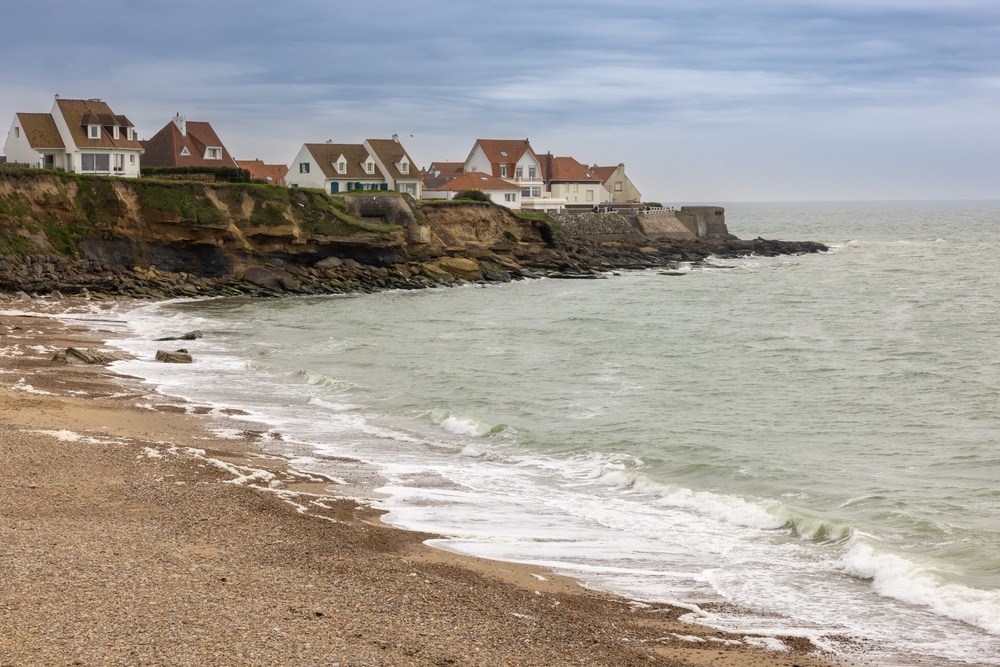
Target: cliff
x,y
142,237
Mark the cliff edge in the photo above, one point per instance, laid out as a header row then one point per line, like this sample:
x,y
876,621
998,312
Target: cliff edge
x,y
148,238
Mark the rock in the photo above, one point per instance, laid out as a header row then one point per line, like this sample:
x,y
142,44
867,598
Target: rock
x,y
466,269
175,357
263,276
190,335
329,263
74,355
496,275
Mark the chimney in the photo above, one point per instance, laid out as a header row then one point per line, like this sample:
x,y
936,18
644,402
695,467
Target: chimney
x,y
181,124
395,138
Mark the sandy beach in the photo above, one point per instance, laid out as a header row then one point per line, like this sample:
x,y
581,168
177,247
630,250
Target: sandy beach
x,y
131,533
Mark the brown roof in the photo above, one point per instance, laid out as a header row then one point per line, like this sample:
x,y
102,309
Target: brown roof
x,y
78,114
475,181
354,154
391,152
272,173
167,147
40,130
447,168
505,151
603,173
567,169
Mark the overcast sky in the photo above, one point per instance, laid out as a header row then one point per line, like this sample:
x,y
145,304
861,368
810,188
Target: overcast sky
x,y
703,100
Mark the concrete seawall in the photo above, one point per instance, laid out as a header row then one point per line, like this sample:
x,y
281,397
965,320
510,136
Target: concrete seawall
x,y
689,223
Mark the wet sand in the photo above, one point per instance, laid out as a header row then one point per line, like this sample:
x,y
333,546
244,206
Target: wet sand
x,y
132,533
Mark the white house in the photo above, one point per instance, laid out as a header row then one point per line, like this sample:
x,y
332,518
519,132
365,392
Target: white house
x,y
514,161
83,136
377,164
498,190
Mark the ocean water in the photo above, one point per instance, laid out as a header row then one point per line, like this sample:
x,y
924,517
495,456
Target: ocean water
x,y
803,445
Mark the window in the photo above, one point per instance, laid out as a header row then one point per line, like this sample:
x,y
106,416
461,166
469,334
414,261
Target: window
x,y
119,162
536,191
518,172
116,135
303,167
532,172
510,197
525,192
95,131
404,167
17,133
213,154
618,186
130,133
95,162
185,152
590,195
341,167
370,167
503,171
131,159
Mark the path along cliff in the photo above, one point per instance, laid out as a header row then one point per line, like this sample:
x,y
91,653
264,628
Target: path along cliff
x,y
144,238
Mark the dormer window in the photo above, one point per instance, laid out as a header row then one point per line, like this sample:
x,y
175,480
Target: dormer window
x,y
404,167
503,171
94,131
115,132
342,167
213,153
130,133
369,167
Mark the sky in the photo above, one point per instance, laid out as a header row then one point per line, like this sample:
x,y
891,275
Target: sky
x,y
704,101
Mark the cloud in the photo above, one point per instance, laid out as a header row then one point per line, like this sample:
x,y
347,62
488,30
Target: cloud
x,y
748,90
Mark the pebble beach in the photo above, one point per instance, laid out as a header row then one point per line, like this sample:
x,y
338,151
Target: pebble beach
x,y
132,533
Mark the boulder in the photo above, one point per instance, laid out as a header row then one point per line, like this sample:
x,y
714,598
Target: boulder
x,y
460,267
175,357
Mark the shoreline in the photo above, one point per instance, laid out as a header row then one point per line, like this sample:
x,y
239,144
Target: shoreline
x,y
121,507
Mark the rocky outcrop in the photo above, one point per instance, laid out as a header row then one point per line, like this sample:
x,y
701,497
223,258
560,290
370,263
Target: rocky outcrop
x,y
107,238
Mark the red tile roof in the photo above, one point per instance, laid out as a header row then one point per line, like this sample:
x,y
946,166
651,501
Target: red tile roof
x,y
505,151
272,173
167,147
567,170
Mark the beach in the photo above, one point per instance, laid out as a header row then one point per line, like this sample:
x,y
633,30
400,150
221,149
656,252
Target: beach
x,y
133,534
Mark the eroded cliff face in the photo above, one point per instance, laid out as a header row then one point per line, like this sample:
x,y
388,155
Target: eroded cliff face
x,y
148,238
220,231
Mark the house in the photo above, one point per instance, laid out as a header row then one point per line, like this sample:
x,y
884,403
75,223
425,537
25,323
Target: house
x,y
83,136
377,164
514,161
497,189
439,173
186,143
575,183
618,184
272,173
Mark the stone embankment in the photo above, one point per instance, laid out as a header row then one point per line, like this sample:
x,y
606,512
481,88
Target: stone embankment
x,y
116,238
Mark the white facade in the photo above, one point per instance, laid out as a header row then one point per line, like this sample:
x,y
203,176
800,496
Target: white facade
x,y
48,141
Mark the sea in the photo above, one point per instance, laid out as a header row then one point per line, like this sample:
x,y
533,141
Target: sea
x,y
803,445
